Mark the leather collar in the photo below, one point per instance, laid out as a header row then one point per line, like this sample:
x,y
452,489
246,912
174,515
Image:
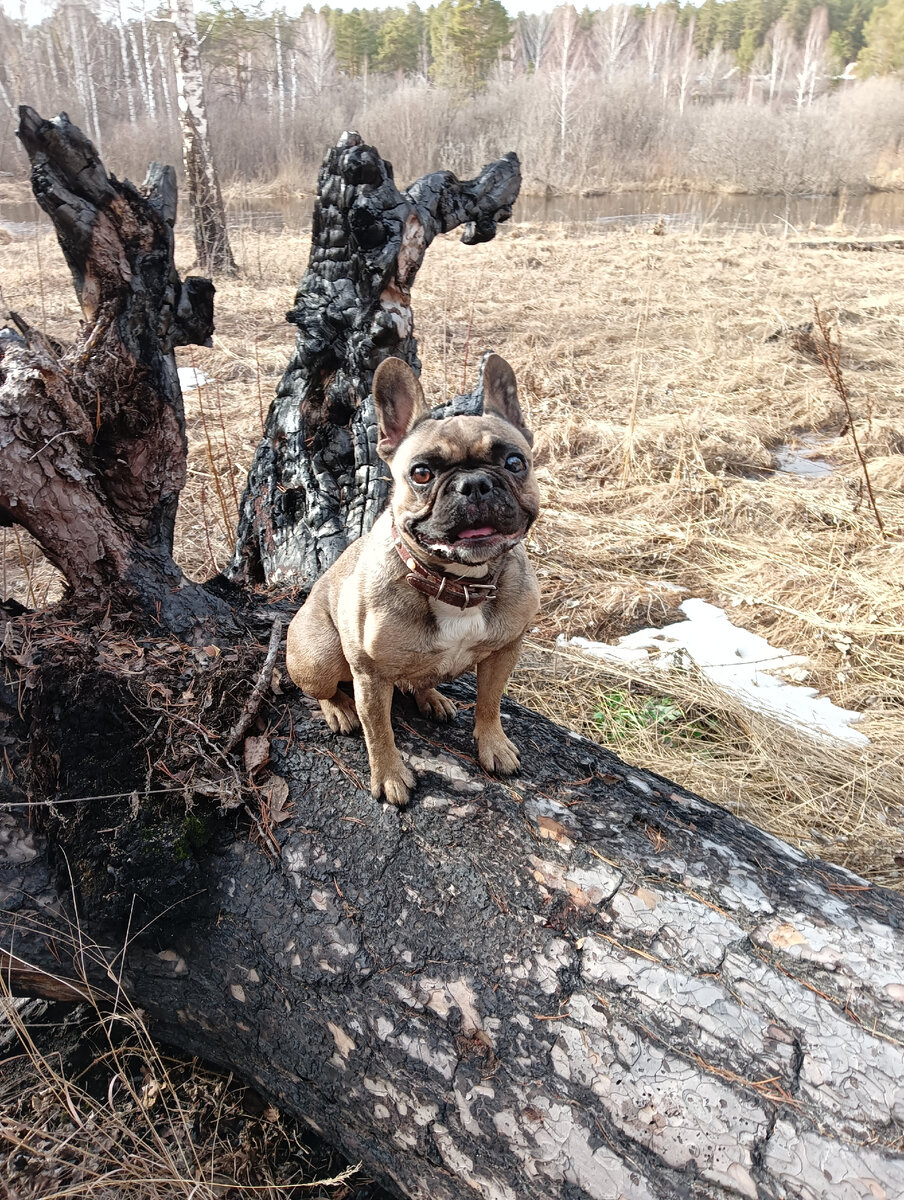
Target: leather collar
x,y
458,590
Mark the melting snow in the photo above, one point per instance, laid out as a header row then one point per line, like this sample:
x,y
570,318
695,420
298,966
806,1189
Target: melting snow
x,y
739,662
192,377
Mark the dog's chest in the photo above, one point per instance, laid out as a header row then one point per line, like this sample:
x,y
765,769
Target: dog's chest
x,y
458,629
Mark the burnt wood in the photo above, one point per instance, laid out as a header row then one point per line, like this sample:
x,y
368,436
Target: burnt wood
x,y
92,437
316,482
581,983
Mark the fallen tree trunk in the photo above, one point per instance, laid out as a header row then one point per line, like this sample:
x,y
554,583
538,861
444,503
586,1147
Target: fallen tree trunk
x,y
583,982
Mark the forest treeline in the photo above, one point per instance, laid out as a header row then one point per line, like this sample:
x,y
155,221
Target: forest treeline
x,y
783,96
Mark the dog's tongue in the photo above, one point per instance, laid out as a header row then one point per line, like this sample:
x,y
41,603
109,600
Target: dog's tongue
x,y
482,531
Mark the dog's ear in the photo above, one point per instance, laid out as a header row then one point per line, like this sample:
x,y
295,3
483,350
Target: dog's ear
x,y
500,394
399,401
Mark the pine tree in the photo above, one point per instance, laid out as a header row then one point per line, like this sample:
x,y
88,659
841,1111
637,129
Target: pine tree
x,y
883,51
466,37
399,40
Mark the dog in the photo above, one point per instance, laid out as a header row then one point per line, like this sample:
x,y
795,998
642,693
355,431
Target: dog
x,y
439,585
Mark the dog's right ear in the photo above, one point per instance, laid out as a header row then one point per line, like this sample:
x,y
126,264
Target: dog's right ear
x,y
399,401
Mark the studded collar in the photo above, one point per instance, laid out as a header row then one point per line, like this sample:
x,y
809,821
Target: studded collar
x,y
458,590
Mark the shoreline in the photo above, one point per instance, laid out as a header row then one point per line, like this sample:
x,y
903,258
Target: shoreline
x,y
18,190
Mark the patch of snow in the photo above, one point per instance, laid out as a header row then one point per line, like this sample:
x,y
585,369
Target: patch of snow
x,y
805,459
192,377
738,661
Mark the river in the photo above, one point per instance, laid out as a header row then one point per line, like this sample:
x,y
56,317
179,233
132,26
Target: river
x,y
872,213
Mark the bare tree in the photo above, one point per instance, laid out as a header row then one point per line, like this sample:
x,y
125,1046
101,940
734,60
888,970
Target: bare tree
x,y
659,38
207,209
780,43
567,58
280,80
687,63
82,62
614,38
317,59
126,67
812,57
532,35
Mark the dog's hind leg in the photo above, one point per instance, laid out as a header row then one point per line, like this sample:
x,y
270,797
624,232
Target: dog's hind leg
x,y
433,703
317,665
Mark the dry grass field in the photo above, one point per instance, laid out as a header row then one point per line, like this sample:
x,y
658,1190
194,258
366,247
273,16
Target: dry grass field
x,y
658,407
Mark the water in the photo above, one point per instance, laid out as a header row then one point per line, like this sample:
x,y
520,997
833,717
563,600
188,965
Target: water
x,y
874,211
868,214
802,457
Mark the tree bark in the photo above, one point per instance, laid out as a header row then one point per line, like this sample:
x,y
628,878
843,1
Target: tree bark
x,y
584,982
316,483
92,438
204,196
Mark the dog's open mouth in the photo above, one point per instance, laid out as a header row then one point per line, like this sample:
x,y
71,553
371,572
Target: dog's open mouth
x,y
475,543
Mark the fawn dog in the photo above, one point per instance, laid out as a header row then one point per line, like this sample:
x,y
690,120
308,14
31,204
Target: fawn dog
x,y
439,585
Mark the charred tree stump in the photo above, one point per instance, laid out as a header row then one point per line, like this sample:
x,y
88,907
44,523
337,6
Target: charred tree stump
x,y
92,437
316,483
583,983
580,984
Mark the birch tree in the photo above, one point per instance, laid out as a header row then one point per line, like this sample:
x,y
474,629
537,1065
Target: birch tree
x,y
317,59
687,63
204,196
532,36
780,42
812,58
567,59
660,35
614,37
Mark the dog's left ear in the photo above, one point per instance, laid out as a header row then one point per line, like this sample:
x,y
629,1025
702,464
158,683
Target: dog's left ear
x,y
399,401
500,394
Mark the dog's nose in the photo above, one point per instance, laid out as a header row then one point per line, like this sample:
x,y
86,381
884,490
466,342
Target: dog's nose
x,y
474,485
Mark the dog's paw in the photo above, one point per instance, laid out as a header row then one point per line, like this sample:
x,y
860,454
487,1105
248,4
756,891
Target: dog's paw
x,y
393,785
498,754
341,714
434,704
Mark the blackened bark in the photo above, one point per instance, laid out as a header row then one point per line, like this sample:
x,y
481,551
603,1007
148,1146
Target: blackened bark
x,y
582,983
316,483
92,438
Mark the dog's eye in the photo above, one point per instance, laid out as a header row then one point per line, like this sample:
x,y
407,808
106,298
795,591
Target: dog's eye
x,y
515,463
421,474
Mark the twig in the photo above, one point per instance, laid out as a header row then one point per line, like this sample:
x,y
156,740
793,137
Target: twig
x,y
829,352
249,712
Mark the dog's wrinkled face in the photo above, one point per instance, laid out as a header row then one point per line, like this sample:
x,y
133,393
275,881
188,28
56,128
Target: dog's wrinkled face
x,y
464,486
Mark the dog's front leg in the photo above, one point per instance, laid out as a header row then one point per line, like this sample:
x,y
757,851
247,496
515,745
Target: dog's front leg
x,y
495,751
389,776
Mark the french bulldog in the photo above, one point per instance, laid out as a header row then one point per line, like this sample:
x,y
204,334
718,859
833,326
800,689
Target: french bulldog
x,y
439,585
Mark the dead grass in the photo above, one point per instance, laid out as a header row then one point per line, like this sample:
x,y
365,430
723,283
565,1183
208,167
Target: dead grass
x,y
91,1109
658,405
